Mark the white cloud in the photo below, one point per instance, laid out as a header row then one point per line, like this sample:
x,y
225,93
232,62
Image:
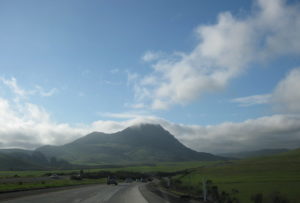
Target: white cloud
x,y
158,104
277,131
29,125
132,77
224,51
284,98
286,95
12,84
152,56
136,105
253,100
40,90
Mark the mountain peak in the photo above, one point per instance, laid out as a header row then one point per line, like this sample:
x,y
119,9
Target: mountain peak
x,y
136,144
144,126
146,133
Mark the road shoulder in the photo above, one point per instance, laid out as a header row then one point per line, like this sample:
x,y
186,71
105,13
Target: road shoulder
x,y
17,194
154,194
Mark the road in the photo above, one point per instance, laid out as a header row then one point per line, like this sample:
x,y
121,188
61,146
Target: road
x,y
122,193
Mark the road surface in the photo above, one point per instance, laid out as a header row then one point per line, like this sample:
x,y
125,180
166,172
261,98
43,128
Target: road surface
x,y
122,193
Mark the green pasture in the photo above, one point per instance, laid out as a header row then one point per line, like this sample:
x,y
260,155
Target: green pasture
x,y
20,186
266,175
158,167
27,173
247,185
249,176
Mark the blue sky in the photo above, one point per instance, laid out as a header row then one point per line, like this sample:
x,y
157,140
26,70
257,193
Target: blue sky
x,y
78,66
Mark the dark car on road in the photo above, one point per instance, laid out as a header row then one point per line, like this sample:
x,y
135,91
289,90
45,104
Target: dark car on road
x,y
128,180
112,180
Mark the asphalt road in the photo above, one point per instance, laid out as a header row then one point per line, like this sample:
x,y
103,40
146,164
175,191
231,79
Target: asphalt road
x,y
122,193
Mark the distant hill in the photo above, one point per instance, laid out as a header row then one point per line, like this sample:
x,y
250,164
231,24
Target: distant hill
x,y
15,150
19,159
145,143
258,153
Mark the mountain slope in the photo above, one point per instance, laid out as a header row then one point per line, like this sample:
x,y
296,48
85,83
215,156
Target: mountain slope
x,y
137,144
19,159
13,163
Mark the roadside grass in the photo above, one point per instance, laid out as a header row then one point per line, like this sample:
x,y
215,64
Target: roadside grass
x,y
21,186
264,175
248,189
247,185
28,173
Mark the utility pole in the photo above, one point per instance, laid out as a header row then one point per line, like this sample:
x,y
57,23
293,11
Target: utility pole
x,y
204,189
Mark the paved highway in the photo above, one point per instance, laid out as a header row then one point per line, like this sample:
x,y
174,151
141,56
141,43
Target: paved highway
x,y
122,193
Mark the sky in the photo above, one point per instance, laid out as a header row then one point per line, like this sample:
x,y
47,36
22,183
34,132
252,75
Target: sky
x,y
220,76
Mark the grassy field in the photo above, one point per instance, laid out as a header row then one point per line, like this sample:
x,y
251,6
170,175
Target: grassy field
x,y
264,175
21,186
159,167
25,173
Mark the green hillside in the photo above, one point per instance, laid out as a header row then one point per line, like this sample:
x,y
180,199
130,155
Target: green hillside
x,y
18,159
146,143
8,162
265,175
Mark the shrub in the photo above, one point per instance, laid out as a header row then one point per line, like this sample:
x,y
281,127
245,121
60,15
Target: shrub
x,y
274,197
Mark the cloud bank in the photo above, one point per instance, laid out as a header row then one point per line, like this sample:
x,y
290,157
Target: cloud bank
x,y
284,98
225,50
26,125
29,126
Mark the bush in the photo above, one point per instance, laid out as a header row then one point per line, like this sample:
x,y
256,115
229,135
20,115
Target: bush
x,y
274,197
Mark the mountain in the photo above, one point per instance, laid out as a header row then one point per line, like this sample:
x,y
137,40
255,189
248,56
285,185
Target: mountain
x,y
258,153
145,143
19,159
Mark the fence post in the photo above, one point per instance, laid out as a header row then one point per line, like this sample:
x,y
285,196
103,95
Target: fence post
x,y
204,189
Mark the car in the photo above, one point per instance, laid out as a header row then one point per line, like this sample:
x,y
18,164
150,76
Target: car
x,y
143,180
54,176
111,180
128,180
